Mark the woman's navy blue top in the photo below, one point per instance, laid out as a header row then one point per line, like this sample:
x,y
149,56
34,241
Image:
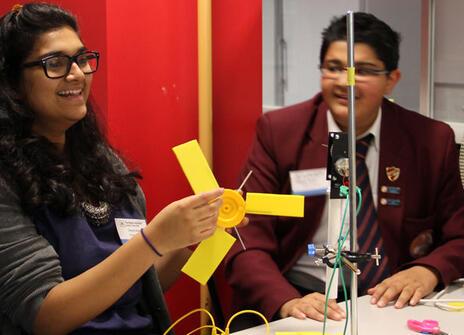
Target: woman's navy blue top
x,y
80,246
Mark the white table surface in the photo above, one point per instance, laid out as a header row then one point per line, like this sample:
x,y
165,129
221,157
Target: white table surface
x,y
373,320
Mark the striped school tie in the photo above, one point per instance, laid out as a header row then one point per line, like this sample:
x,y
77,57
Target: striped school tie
x,y
369,236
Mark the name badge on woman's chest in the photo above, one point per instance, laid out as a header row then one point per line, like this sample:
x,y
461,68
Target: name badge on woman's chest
x,y
128,228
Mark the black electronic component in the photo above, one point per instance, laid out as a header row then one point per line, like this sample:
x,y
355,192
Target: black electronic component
x,y
337,163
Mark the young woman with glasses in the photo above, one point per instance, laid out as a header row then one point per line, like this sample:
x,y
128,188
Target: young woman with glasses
x,y
63,266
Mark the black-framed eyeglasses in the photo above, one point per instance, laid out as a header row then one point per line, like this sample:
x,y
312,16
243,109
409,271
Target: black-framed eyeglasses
x,y
361,73
59,66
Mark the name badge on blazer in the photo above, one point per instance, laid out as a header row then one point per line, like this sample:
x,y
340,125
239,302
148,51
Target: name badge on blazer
x,y
128,228
310,182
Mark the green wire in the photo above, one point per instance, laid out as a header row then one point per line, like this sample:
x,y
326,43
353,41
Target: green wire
x,y
337,264
345,294
340,247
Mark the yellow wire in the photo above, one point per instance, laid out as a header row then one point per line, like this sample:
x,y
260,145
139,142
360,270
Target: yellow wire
x,y
213,326
207,326
244,312
190,313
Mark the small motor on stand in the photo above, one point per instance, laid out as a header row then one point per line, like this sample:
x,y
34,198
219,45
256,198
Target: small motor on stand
x,y
337,163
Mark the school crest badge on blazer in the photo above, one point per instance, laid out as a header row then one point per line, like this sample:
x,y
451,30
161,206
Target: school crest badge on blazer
x,y
393,173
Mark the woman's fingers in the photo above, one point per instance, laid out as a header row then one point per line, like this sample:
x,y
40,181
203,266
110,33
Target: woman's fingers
x,y
208,210
203,199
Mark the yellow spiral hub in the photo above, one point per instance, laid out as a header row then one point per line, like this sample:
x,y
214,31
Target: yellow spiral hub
x,y
232,210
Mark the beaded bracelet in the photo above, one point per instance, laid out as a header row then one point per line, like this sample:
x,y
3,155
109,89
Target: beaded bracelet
x,y
150,244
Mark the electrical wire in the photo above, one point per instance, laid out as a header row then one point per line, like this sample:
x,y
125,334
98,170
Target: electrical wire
x,y
206,327
338,262
452,305
213,327
247,311
190,313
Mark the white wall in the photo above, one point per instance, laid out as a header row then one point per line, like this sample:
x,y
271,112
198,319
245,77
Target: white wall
x,y
449,61
303,24
268,52
404,16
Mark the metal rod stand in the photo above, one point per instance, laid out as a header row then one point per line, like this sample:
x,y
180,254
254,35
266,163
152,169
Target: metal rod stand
x,y
352,166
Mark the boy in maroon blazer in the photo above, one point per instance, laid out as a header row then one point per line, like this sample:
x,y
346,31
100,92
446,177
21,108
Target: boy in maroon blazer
x,y
412,163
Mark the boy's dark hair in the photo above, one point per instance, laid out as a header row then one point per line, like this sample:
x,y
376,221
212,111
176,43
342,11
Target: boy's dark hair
x,y
368,29
42,176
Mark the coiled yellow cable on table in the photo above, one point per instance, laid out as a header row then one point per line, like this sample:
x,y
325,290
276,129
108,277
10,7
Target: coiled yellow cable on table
x,y
216,330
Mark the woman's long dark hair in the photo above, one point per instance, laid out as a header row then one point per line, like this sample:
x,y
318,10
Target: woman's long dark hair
x,y
88,169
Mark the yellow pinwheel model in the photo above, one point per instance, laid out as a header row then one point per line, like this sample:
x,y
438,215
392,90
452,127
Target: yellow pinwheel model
x,y
210,252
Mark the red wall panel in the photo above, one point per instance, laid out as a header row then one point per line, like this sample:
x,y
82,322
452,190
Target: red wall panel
x,y
237,76
237,94
152,101
152,89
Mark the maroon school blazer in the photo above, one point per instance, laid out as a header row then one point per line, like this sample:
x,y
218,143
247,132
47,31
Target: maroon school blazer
x,y
295,138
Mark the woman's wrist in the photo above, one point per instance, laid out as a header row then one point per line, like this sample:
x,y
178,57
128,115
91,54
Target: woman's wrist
x,y
158,237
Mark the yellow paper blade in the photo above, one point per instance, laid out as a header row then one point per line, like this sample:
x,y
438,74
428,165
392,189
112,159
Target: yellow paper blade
x,y
275,204
195,167
207,256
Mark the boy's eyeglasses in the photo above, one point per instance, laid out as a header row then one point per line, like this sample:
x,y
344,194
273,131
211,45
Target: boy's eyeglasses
x,y
59,66
360,73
